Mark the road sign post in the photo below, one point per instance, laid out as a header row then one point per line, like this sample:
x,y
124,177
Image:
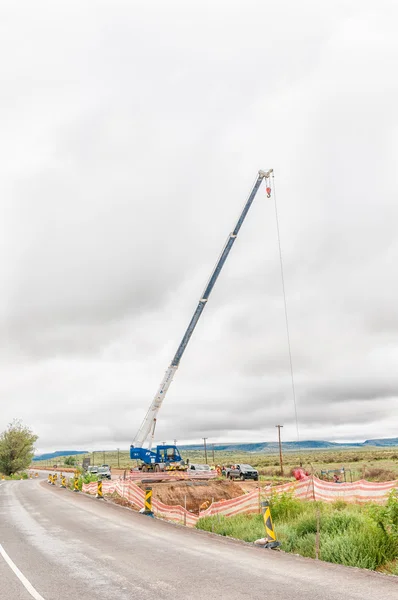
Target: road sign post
x,y
100,494
148,502
269,527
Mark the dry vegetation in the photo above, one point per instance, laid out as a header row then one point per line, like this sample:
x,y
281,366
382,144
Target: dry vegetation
x,y
374,464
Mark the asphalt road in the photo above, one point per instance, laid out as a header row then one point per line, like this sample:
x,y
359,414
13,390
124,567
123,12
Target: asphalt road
x,y
56,545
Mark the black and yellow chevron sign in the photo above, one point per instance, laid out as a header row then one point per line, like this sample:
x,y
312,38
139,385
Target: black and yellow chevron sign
x,y
99,490
269,528
148,500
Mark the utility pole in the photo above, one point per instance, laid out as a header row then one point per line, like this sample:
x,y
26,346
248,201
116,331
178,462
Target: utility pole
x,y
213,454
175,442
118,461
204,443
103,457
280,447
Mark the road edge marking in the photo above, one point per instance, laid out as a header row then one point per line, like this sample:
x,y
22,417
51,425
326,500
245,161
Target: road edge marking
x,y
27,585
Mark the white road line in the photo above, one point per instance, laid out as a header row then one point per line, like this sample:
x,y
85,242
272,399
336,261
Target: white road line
x,y
27,585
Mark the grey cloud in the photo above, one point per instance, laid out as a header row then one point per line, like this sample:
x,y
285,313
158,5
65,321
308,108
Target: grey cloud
x,y
129,141
346,390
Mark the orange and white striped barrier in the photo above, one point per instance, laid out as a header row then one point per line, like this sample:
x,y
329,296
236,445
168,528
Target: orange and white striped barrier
x,y
306,489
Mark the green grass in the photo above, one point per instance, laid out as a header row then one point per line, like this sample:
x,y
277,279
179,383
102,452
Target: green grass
x,y
22,475
358,536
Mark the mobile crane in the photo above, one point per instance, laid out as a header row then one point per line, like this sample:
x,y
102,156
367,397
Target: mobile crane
x,y
167,457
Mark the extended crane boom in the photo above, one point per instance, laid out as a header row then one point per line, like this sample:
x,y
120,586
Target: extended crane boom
x,y
149,423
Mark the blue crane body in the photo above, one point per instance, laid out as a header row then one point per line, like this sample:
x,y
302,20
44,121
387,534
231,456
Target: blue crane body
x,y
168,456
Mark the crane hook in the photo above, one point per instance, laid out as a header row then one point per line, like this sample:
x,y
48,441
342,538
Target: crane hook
x,y
268,190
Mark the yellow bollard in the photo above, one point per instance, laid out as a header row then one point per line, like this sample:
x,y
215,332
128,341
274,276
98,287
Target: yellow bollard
x,y
100,494
52,479
76,484
36,474
3,478
269,527
49,480
63,481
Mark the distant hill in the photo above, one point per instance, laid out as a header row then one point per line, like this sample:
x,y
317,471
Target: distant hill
x,y
304,444
385,442
52,455
258,447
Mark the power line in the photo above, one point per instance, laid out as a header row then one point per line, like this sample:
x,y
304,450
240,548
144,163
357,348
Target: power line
x,y
286,317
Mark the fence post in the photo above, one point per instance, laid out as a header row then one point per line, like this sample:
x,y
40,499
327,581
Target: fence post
x,y
317,533
269,527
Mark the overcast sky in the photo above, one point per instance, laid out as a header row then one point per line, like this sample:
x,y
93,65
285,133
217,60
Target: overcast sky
x,y
131,134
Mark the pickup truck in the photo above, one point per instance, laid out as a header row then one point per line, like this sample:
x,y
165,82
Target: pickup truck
x,y
104,472
242,472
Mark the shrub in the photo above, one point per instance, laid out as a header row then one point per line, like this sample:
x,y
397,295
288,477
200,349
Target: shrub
x,y
377,474
285,507
243,527
339,505
305,526
305,545
367,548
22,475
338,522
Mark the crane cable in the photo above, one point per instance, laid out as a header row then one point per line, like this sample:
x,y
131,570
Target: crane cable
x,y
286,319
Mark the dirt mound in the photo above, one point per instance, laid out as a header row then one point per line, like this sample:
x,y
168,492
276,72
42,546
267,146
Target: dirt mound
x,y
196,493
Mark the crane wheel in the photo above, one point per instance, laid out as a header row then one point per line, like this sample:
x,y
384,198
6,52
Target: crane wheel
x,y
157,469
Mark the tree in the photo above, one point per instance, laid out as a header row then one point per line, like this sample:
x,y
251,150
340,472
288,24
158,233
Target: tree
x,y
16,448
70,461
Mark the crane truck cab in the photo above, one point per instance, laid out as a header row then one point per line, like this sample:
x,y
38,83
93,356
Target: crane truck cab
x,y
163,458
